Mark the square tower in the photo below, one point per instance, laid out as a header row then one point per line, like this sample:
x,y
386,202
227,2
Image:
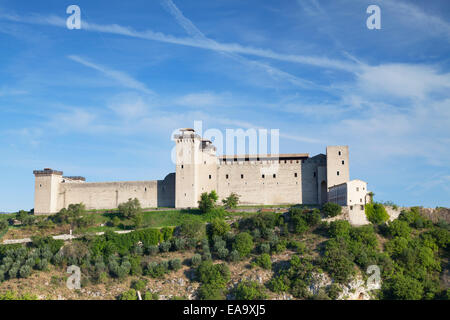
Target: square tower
x,y
337,165
46,190
188,161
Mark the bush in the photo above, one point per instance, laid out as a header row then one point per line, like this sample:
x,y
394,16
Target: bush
x,y
264,248
234,256
399,228
264,261
243,243
129,295
165,246
331,209
175,264
376,213
250,290
130,209
218,227
207,201
193,229
25,271
152,250
214,278
333,291
231,201
300,224
139,285
196,260
312,217
222,253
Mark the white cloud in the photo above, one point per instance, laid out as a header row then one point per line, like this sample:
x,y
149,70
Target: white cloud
x,y
403,80
121,77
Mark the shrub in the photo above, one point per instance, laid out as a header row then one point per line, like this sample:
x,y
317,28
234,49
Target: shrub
x,y
218,227
300,225
152,250
222,253
231,201
312,217
165,246
376,213
333,291
243,243
331,209
207,201
130,209
139,285
129,295
250,290
196,260
264,248
179,244
193,229
206,256
25,271
209,291
264,261
234,256
399,228
175,264
298,246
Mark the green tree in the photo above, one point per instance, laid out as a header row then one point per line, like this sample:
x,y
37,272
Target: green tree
x,y
130,209
243,243
331,209
376,213
207,201
231,201
218,227
264,261
250,290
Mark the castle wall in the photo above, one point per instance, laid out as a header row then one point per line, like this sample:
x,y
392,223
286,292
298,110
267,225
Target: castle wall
x,y
102,195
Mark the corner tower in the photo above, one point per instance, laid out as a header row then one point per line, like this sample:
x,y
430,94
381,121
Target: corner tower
x,y
46,190
188,161
337,165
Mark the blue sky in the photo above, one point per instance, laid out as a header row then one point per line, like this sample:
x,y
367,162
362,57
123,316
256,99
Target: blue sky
x,y
102,101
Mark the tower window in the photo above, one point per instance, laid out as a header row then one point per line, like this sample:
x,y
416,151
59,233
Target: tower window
x,y
263,176
357,188
242,176
226,176
209,176
351,207
362,207
146,189
339,153
274,175
182,166
295,174
338,173
342,161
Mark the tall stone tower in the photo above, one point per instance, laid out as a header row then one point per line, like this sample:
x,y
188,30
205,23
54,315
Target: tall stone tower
x,y
46,190
188,161
337,165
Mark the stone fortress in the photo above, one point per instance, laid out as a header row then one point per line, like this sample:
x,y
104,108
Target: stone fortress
x,y
257,179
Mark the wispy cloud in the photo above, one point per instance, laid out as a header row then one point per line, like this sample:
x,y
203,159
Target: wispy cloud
x,y
322,62
195,33
121,77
